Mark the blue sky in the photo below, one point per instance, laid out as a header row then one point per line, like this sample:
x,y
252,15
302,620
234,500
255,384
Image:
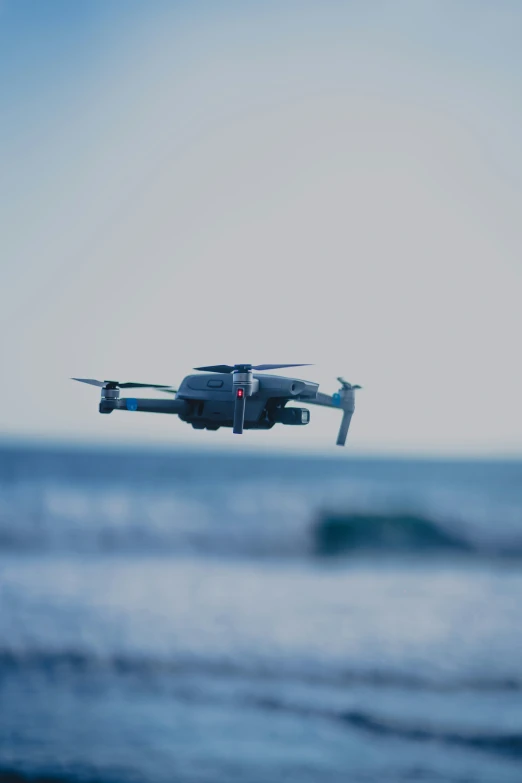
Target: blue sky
x,y
192,183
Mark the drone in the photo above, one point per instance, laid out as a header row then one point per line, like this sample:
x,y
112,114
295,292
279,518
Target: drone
x,y
241,396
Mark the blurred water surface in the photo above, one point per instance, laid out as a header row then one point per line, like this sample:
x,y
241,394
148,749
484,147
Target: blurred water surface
x,y
169,616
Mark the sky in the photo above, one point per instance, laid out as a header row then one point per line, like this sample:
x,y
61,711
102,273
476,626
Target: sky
x,y
190,183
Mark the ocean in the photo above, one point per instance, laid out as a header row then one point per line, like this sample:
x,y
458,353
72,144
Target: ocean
x,y
214,617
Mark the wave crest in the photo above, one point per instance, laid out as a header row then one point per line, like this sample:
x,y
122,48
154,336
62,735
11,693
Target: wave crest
x,y
336,534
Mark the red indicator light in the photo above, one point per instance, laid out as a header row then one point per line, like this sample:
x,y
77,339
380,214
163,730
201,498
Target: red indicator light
x,y
240,392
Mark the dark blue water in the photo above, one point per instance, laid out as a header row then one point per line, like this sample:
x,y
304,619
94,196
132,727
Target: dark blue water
x,y
209,617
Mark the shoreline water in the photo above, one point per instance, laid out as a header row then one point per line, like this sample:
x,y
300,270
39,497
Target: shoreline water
x,y
156,624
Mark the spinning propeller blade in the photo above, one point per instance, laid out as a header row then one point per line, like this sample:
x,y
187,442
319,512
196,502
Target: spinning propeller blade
x,y
246,367
118,385
277,366
91,381
216,368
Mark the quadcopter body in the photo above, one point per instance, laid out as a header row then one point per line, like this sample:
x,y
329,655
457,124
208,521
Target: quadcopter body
x,y
234,396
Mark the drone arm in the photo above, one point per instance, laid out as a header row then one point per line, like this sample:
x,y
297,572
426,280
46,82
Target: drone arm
x,y
325,400
145,405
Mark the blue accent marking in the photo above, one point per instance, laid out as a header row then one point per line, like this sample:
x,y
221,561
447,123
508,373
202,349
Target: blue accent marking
x,y
132,404
336,399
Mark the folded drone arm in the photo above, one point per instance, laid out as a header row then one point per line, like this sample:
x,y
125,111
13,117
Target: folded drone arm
x,y
144,405
325,400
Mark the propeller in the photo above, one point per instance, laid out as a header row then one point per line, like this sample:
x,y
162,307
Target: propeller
x,y
246,367
346,385
118,385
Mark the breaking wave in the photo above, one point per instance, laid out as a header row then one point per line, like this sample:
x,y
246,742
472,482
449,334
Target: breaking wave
x,y
255,506
392,532
67,520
